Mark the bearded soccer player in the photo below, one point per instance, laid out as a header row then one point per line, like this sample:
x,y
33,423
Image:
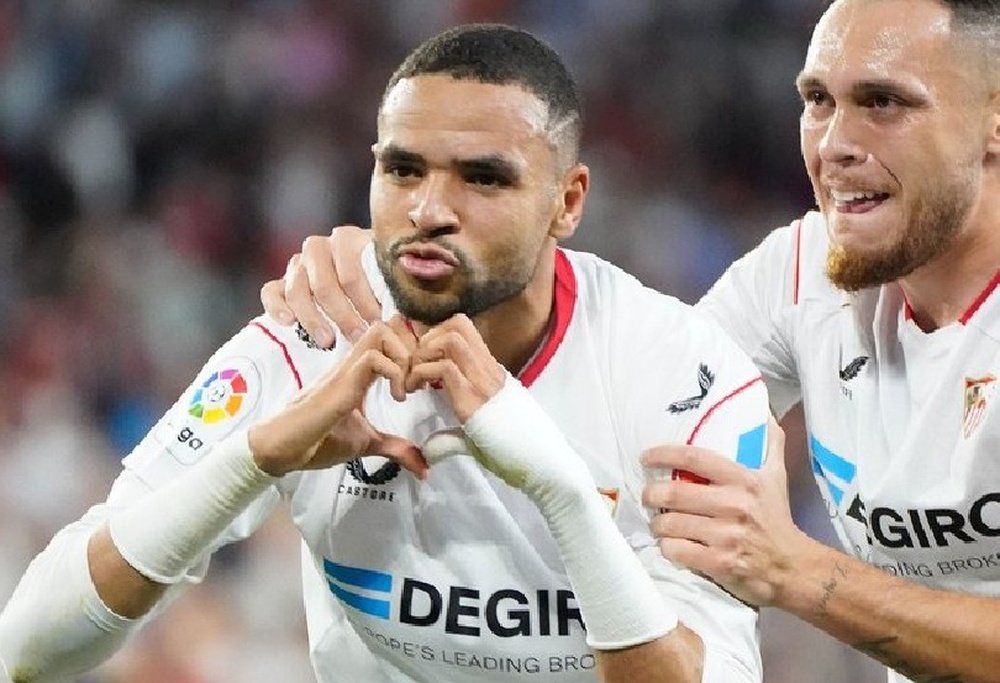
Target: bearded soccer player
x,y
880,312
529,379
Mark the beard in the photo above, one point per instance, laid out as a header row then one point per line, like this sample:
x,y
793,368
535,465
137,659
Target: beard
x,y
467,291
936,221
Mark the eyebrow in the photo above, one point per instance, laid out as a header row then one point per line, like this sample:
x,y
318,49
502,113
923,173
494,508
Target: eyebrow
x,y
496,164
861,89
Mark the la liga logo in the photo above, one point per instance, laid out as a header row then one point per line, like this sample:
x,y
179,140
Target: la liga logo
x,y
219,397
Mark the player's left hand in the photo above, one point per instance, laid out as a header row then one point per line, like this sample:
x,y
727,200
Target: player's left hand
x,y
453,356
737,529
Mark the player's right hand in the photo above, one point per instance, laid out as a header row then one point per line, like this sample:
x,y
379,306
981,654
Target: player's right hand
x,y
325,425
324,281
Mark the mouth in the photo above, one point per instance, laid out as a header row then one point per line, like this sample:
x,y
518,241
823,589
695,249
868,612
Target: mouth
x,y
857,201
427,261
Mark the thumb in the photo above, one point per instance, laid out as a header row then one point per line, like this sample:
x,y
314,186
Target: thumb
x,y
400,450
774,462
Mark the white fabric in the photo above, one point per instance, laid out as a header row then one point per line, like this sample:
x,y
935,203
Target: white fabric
x,y
55,623
457,577
618,598
903,450
167,531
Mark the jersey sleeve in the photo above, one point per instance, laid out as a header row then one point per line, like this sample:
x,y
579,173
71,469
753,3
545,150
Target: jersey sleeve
x,y
687,382
55,624
753,302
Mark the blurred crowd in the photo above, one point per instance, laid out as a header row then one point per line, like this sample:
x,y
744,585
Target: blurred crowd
x,y
160,160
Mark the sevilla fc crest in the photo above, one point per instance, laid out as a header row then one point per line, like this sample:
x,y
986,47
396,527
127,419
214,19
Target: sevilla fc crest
x,y
977,393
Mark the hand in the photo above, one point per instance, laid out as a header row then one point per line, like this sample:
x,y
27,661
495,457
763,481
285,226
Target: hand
x,y
736,529
325,280
454,357
325,425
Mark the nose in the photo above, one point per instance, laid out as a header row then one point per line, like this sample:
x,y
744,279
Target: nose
x,y
433,204
838,143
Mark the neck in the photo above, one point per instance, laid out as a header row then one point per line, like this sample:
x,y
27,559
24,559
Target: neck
x,y
940,292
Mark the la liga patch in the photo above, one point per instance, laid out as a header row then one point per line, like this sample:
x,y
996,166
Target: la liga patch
x,y
217,403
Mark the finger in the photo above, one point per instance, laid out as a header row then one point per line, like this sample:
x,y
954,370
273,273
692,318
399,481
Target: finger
x,y
694,556
701,462
458,340
402,451
272,295
298,297
324,286
348,242
711,500
681,525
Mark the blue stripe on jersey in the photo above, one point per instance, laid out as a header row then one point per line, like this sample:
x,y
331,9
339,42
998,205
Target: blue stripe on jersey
x,y
750,448
831,462
355,576
835,492
376,608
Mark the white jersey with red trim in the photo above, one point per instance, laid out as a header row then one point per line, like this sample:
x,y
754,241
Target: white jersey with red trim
x,y
902,428
457,578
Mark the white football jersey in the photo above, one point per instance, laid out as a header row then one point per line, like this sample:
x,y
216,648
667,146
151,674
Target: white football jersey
x,y
901,431
457,578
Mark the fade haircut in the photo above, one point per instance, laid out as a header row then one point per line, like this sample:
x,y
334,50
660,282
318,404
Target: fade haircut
x,y
976,25
504,55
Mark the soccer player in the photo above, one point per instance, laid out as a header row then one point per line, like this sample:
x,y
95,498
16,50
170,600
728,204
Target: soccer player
x,y
527,377
880,312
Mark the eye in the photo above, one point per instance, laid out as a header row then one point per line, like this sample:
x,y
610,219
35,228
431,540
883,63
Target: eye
x,y
487,179
815,97
402,171
882,101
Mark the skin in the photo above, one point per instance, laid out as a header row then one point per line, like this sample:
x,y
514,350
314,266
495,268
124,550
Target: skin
x,y
892,107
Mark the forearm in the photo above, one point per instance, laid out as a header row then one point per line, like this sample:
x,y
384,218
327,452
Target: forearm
x,y
924,634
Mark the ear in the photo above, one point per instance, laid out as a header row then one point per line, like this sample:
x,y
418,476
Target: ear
x,y
993,127
573,194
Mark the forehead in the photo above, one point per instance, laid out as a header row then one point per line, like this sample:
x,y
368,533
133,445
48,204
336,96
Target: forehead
x,y
881,39
439,113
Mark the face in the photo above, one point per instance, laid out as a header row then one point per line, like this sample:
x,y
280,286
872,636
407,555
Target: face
x,y
466,195
889,136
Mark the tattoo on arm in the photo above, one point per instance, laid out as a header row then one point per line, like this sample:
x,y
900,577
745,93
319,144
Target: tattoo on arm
x,y
879,649
830,587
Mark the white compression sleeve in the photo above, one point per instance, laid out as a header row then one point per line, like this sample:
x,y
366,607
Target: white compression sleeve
x,y
55,624
518,442
165,532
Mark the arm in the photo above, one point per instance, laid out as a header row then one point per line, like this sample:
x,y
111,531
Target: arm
x,y
325,283
72,608
633,628
739,530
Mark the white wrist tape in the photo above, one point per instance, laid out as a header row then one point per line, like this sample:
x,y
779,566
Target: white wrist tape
x,y
167,531
517,441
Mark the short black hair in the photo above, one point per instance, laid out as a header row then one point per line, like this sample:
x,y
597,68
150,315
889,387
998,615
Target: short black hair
x,y
503,55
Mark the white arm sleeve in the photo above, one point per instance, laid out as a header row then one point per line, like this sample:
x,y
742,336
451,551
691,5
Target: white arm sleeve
x,y
55,624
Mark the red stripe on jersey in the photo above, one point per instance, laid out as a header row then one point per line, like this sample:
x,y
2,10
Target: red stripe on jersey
x,y
563,304
284,350
983,296
798,252
708,413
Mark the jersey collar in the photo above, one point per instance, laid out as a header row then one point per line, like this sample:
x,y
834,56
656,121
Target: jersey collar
x,y
563,304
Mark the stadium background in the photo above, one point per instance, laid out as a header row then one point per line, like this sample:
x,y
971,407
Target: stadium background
x,y
160,160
